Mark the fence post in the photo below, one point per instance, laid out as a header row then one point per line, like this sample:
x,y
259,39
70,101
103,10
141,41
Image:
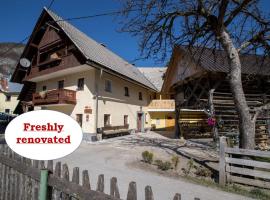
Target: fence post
x,y
132,191
43,184
148,193
100,183
86,180
114,191
177,196
222,164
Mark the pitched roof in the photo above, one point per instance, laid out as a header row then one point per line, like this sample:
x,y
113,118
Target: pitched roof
x,y
97,53
154,75
8,87
217,61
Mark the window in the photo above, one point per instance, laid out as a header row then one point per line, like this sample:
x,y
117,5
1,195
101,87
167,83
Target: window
x,y
126,122
8,98
140,96
108,86
7,111
79,119
44,88
126,92
80,84
107,120
61,84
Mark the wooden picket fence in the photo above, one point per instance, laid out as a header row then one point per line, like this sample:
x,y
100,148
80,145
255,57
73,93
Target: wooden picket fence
x,y
19,179
239,166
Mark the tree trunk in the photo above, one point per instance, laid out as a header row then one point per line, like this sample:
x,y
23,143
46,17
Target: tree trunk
x,y
177,125
246,125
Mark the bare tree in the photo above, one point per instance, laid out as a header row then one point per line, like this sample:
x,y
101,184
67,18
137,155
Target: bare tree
x,y
236,26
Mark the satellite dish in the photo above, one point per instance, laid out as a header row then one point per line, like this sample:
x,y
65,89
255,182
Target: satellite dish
x,y
25,62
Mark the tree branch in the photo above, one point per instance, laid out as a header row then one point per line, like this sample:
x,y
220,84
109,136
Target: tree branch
x,y
222,12
256,38
259,109
236,11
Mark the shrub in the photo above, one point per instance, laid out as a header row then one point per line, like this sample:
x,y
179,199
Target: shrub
x,y
202,171
164,166
147,157
190,165
175,161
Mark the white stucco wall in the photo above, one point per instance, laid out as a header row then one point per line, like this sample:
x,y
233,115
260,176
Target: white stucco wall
x,y
83,98
11,105
116,103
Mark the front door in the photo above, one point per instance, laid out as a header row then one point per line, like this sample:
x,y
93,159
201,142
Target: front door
x,y
139,122
79,119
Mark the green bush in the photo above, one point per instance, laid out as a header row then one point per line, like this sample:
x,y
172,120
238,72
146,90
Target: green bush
x,y
175,161
164,166
202,171
147,157
190,165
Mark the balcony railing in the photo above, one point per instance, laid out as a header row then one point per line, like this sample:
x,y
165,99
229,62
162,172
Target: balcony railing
x,y
61,96
52,66
166,104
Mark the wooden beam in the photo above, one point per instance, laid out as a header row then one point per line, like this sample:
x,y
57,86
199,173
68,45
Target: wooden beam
x,y
247,152
251,163
247,181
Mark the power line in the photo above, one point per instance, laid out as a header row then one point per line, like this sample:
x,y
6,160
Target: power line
x,y
68,19
51,3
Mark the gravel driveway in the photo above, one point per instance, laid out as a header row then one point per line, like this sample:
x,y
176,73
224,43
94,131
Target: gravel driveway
x,y
115,157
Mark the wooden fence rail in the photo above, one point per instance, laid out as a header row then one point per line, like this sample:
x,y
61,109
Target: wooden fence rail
x,y
19,180
243,166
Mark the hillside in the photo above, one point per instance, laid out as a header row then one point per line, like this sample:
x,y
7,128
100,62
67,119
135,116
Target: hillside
x,y
9,60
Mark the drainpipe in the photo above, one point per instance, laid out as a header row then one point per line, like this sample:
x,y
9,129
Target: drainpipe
x,y
97,95
43,184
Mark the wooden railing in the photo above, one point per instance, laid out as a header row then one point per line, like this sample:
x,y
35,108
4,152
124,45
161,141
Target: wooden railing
x,y
20,179
52,65
162,104
244,166
61,96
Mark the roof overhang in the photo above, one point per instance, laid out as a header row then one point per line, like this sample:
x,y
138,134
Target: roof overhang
x,y
109,71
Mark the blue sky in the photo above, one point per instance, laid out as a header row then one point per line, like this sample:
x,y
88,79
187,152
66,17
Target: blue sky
x,y
18,17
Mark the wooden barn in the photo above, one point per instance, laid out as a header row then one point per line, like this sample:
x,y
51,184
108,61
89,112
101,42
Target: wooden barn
x,y
198,79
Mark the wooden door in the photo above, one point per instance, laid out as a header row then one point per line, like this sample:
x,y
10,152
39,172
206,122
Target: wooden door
x,y
79,118
139,122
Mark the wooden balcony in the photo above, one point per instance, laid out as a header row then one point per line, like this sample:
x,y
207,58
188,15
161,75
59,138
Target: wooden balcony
x,y
52,66
62,96
162,105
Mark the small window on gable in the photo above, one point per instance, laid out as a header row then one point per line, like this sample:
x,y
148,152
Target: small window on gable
x,y
7,111
126,91
61,84
8,98
80,84
107,120
108,86
140,96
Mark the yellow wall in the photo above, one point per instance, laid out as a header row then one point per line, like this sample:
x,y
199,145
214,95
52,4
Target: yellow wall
x,y
159,119
8,104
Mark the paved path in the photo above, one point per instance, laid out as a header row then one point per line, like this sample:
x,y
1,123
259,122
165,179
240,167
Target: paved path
x,y
114,157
